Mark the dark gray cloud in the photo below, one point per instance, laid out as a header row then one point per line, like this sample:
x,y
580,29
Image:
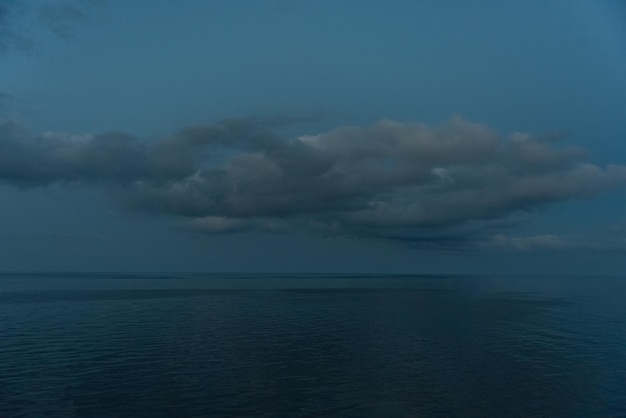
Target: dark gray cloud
x,y
443,187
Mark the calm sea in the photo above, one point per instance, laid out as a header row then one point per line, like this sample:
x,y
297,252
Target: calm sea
x,y
122,345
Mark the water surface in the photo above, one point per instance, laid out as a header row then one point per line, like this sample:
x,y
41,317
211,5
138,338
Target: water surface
x,y
103,345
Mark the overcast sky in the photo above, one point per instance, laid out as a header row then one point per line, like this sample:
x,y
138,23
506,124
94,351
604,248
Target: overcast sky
x,y
313,136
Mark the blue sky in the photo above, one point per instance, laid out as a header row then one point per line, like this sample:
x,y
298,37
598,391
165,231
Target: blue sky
x,y
368,136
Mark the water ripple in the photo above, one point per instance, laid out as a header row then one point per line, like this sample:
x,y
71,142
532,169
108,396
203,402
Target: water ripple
x,y
319,352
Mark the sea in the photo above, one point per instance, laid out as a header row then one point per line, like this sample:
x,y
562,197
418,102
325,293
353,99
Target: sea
x,y
295,345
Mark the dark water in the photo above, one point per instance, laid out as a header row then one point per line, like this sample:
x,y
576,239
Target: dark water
x,y
278,346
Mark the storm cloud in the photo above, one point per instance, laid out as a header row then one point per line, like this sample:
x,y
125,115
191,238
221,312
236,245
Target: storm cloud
x,y
440,187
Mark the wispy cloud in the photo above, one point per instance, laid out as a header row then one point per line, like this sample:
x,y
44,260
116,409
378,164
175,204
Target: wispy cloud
x,y
551,242
12,108
58,16
447,186
533,243
11,34
6,100
61,17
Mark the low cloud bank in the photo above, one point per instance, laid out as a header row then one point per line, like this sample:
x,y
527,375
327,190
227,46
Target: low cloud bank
x,y
550,242
440,187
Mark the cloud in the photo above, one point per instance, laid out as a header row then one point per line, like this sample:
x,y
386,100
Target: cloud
x,y
550,242
444,187
58,16
11,34
13,108
531,243
61,17
6,101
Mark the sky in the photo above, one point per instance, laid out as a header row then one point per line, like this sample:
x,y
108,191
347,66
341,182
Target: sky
x,y
474,137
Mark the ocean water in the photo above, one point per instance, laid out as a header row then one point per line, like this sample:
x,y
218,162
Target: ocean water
x,y
122,345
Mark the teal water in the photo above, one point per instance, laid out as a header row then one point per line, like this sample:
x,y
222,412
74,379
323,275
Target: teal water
x,y
121,345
